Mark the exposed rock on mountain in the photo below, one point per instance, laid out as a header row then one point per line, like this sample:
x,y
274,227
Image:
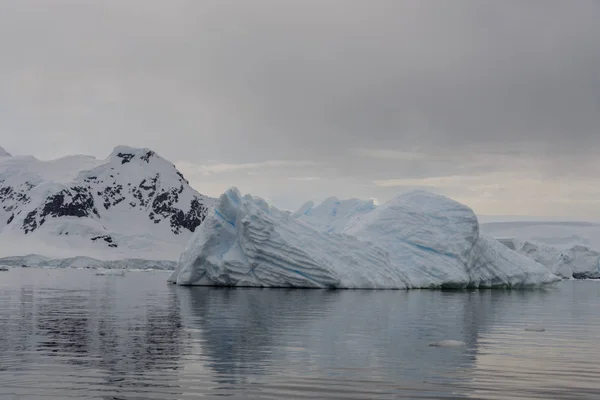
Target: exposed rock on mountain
x,y
133,204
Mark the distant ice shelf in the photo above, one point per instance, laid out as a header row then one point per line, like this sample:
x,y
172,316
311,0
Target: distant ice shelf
x,y
37,261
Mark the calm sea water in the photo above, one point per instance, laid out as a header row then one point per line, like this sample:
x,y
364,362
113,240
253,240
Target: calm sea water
x,y
71,334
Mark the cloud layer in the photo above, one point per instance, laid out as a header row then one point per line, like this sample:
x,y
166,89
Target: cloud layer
x,y
494,103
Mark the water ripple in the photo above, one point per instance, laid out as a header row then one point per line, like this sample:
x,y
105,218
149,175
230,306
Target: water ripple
x,y
70,334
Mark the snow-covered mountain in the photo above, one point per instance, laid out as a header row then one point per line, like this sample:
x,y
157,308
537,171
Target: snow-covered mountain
x,y
134,204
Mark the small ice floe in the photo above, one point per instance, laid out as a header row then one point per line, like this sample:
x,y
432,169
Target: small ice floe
x,y
3,268
447,343
110,272
535,329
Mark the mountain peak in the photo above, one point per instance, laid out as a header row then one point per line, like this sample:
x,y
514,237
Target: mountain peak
x,y
125,154
4,153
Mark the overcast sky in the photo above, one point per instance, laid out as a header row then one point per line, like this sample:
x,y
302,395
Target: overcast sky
x,y
494,103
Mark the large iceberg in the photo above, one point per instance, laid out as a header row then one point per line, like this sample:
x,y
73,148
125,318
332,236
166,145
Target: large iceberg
x,y
416,240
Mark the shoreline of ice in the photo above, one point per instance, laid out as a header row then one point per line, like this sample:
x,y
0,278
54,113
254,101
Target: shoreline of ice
x,y
83,262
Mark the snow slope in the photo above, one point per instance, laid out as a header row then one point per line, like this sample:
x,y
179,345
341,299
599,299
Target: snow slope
x,y
417,240
134,204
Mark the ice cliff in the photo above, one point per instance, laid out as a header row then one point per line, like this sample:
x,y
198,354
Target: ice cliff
x,y
416,240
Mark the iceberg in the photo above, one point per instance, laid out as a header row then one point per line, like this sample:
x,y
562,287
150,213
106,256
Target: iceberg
x,y
578,261
248,243
416,240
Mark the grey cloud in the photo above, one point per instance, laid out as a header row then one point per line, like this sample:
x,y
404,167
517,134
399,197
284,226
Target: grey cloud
x,y
249,82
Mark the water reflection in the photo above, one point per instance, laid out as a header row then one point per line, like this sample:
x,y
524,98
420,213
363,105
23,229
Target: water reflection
x,y
241,331
98,335
378,339
72,334
513,363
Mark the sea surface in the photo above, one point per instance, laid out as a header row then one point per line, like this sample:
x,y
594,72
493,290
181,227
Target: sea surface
x,y
71,334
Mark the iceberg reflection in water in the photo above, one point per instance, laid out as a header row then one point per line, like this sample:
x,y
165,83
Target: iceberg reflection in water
x,y
70,334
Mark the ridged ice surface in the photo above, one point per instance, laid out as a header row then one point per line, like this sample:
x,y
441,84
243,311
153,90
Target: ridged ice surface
x,y
436,240
416,240
333,215
578,261
247,243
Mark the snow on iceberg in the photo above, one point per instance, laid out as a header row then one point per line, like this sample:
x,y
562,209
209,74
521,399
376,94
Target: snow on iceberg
x,y
334,215
416,240
437,241
428,236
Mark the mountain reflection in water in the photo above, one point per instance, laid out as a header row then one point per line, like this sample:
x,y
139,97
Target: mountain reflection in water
x,y
71,334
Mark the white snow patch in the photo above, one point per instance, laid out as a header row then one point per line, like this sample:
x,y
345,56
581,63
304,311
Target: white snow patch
x,y
333,214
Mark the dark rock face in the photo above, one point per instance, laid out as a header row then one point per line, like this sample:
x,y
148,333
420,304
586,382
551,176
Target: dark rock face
x,y
190,220
125,157
147,156
145,191
182,177
11,197
30,222
76,201
163,208
107,238
111,196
